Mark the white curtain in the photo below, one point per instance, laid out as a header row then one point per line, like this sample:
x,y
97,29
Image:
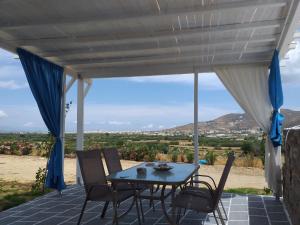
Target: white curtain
x,y
248,84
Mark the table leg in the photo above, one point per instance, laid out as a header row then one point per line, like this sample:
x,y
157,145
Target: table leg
x,y
172,198
171,220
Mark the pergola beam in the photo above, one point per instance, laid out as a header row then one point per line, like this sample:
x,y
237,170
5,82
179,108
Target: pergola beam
x,y
209,8
145,37
165,69
124,50
291,23
159,58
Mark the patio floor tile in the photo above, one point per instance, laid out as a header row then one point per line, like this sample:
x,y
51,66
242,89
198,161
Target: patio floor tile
x,y
64,210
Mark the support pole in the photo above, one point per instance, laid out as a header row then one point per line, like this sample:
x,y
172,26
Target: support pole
x,y
62,120
196,149
80,128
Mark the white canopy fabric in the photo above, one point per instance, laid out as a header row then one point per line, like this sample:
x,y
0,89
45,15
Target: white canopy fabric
x,y
100,38
248,84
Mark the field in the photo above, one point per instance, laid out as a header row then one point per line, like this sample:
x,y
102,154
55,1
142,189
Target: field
x,y
140,147
21,155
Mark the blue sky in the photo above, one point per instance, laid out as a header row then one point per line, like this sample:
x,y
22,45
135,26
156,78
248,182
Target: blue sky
x,y
130,104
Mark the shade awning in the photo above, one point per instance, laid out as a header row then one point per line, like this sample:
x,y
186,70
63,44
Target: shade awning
x,y
99,38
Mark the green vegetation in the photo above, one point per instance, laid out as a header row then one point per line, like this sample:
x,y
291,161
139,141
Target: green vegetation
x,y
13,193
253,191
211,157
142,147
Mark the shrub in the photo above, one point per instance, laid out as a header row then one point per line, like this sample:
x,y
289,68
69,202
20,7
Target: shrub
x,y
174,156
40,178
210,157
249,160
247,147
190,157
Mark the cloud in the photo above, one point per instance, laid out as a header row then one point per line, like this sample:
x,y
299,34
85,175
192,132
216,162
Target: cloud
x,y
161,126
118,123
149,126
28,124
11,71
291,69
116,117
206,81
12,85
2,114
111,117
12,76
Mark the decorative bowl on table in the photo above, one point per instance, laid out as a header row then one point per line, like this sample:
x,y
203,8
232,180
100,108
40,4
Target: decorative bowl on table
x,y
163,167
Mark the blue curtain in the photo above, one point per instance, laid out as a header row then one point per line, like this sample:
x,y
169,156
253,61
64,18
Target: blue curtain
x,y
276,98
46,83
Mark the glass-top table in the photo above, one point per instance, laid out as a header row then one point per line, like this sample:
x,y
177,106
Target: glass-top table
x,y
177,176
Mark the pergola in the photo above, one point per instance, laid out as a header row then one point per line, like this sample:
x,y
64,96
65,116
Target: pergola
x,y
97,39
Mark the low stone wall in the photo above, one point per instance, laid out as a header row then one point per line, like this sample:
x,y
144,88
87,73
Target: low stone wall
x,y
291,174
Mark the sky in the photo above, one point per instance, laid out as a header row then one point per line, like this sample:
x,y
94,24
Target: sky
x,y
131,104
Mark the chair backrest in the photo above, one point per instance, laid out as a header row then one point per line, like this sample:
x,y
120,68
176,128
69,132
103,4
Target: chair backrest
x,y
224,177
112,159
91,167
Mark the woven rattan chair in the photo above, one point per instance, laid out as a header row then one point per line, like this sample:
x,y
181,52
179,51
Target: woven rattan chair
x,y
204,199
96,186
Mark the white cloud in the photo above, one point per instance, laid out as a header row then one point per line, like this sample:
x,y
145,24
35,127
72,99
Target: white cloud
x,y
28,124
119,123
111,117
11,71
291,70
206,80
149,126
145,116
161,126
12,85
2,114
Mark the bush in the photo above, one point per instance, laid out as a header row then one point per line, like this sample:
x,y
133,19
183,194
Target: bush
x,y
40,178
249,160
190,157
210,157
247,147
174,156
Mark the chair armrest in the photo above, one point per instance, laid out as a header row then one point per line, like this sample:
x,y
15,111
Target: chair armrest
x,y
200,175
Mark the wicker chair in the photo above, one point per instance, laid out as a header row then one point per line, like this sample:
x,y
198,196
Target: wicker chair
x,y
96,186
204,199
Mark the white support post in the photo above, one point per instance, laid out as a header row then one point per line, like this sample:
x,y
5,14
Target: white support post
x,y
196,149
62,120
80,123
87,88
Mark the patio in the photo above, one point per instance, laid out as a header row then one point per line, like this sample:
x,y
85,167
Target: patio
x,y
237,40
51,209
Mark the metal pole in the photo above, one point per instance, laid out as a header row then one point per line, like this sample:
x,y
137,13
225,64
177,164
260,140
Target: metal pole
x,y
62,121
80,123
196,149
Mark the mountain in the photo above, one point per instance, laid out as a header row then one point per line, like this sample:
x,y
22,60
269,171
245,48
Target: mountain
x,y
235,123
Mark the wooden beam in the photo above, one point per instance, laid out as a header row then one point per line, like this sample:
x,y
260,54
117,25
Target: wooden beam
x,y
290,26
144,37
78,20
81,63
166,69
125,50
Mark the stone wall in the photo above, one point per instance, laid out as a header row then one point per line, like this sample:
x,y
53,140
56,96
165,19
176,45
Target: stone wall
x,y
291,174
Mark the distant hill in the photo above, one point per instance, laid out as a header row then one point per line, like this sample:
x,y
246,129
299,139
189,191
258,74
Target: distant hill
x,y
235,122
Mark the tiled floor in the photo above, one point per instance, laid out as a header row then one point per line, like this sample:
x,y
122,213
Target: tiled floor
x,y
51,209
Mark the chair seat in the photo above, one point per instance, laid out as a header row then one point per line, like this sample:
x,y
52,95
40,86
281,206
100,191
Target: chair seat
x,y
107,195
203,203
